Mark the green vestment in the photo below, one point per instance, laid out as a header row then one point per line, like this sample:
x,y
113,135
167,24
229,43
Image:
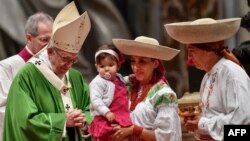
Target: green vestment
x,y
35,110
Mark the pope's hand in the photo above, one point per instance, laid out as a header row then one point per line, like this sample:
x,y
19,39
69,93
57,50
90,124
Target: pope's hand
x,y
75,118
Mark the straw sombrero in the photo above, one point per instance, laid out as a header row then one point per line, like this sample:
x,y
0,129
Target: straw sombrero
x,y
145,47
70,29
203,30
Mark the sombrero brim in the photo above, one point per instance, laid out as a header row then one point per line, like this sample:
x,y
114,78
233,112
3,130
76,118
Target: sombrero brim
x,y
188,33
130,47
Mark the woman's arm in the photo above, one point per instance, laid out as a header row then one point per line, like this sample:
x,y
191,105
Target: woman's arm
x,y
123,132
148,135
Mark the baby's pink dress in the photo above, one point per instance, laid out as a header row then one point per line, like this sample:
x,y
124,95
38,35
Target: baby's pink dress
x,y
100,127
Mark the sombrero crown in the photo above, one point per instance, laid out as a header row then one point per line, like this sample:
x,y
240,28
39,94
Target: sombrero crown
x,y
203,30
70,29
145,47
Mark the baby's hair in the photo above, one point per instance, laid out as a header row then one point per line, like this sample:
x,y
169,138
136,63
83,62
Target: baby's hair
x,y
104,55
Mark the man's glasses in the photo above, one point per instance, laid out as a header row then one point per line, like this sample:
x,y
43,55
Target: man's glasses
x,y
64,59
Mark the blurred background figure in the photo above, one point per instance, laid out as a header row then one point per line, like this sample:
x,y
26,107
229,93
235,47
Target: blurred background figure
x,y
242,52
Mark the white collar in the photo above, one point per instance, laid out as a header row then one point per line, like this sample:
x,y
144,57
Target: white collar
x,y
51,76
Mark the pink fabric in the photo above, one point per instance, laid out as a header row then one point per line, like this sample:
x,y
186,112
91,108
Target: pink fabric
x,y
25,54
100,128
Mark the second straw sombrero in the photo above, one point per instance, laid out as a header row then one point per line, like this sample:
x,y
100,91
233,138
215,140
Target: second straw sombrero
x,y
203,30
145,47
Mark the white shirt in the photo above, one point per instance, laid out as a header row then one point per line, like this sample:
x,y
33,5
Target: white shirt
x,y
225,96
156,112
8,69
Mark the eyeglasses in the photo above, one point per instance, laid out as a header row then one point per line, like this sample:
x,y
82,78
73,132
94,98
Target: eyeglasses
x,y
72,61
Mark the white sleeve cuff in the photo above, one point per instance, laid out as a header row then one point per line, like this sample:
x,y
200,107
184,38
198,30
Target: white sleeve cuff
x,y
202,125
64,130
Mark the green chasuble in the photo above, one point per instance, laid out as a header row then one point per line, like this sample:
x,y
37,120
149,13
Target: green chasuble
x,y
35,110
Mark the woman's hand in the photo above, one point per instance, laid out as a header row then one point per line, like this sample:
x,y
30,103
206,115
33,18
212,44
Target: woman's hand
x,y
121,132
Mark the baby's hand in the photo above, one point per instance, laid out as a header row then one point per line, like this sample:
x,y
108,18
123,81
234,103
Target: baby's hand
x,y
110,116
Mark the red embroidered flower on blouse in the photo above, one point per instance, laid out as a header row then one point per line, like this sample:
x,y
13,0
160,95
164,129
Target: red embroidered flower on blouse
x,y
171,97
